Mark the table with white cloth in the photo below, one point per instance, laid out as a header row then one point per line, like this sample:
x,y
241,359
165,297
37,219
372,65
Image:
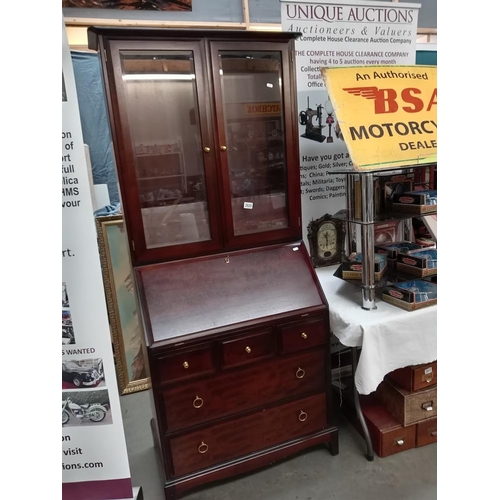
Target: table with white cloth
x,y
389,337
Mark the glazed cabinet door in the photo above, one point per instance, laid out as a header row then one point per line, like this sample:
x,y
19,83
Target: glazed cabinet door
x,y
256,149
160,107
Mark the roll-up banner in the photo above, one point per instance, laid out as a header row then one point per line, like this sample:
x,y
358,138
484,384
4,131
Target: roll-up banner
x,y
338,33
94,454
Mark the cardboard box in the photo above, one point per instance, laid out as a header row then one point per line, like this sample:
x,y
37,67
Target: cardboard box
x,y
421,263
393,249
352,268
357,197
411,295
393,185
416,202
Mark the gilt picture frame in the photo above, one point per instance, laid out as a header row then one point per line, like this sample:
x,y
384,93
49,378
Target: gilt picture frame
x,y
123,309
140,5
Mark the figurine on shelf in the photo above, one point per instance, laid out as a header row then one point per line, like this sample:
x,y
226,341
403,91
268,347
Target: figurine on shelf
x,y
329,119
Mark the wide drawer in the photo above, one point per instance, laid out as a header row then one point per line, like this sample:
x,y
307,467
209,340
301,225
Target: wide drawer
x,y
236,438
248,348
414,378
184,365
427,432
388,435
408,407
226,393
302,335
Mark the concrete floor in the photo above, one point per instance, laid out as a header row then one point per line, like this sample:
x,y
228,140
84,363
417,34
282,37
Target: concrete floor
x,y
312,475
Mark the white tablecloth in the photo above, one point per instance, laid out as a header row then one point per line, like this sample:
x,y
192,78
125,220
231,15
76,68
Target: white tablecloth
x,y
390,337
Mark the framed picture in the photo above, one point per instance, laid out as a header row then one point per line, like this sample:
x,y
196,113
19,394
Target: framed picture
x,y
123,309
157,5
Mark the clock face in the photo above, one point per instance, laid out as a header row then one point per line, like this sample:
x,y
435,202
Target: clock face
x,y
327,240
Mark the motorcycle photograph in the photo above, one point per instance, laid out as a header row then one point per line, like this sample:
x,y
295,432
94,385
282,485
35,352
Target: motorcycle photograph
x,y
94,412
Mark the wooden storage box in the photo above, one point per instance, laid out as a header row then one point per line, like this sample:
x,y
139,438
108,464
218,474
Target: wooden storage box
x,y
427,432
414,378
408,407
387,434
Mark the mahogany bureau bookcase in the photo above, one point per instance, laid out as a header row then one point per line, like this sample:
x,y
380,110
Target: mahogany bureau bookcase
x,y
204,127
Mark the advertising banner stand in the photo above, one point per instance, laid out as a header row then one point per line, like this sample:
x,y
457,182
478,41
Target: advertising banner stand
x,y
338,34
94,454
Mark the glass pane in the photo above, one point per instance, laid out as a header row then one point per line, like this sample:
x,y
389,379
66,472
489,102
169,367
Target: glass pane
x,y
164,124
253,114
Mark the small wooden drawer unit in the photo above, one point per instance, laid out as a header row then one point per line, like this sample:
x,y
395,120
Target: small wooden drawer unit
x,y
408,407
237,395
387,434
414,378
427,432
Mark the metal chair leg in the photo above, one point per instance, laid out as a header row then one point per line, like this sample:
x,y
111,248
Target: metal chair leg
x,y
359,413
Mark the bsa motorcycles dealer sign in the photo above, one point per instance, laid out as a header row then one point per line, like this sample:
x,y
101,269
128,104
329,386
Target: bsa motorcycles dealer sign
x,y
387,114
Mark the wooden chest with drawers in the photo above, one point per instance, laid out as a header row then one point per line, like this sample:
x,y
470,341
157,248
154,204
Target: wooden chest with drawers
x,y
242,380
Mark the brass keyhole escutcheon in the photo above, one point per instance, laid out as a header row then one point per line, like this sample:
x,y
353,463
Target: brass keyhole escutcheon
x,y
198,402
185,365
304,335
203,448
302,416
300,373
248,350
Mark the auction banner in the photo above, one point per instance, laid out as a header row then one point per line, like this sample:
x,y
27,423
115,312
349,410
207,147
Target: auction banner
x,y
338,34
94,454
388,114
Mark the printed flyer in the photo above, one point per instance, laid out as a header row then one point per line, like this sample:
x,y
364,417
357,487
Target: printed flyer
x,y
94,454
338,33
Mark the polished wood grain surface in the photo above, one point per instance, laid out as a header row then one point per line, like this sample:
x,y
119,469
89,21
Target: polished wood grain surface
x,y
387,434
196,295
236,391
414,378
301,335
184,365
247,349
427,432
239,437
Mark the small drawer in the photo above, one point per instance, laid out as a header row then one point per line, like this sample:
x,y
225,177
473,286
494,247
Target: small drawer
x,y
236,438
388,435
184,365
427,432
246,349
414,378
425,376
298,336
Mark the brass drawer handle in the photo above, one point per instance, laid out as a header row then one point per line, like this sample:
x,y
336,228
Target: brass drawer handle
x,y
300,373
302,416
198,402
203,448
427,406
434,433
223,148
400,442
304,335
185,365
248,350
427,378
206,149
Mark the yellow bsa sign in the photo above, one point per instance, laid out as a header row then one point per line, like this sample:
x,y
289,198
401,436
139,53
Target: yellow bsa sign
x,y
387,114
